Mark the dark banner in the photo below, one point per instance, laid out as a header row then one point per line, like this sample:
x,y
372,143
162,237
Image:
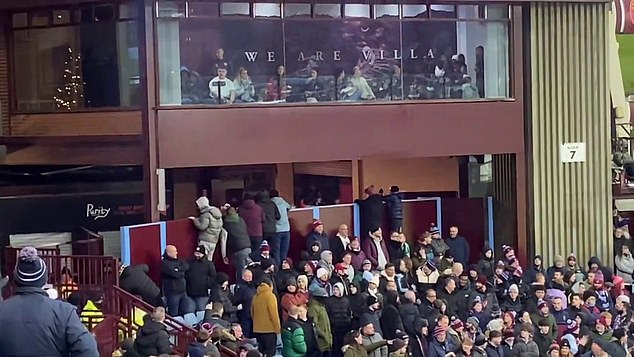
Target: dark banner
x,y
625,16
64,213
256,45
332,46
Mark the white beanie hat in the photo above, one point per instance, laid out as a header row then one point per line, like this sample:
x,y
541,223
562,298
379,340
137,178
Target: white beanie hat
x,y
321,272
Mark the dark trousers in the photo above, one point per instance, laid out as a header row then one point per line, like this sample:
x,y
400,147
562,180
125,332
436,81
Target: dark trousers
x,y
337,340
267,343
396,225
255,245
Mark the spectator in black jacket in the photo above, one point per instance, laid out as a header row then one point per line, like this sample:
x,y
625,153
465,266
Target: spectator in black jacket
x,y
173,280
200,277
409,312
134,279
236,243
153,338
243,296
391,322
271,216
340,315
371,211
224,295
395,209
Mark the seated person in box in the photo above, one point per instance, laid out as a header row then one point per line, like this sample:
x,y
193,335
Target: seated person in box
x,y
221,88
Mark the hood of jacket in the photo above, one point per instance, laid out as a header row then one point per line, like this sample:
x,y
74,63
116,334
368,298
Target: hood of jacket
x,y
247,204
214,211
264,288
233,218
151,328
263,196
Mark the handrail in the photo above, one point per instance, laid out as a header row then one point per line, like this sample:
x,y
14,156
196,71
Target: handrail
x,y
126,306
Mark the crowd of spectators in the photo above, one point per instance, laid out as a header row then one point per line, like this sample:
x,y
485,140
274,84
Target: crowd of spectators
x,y
392,296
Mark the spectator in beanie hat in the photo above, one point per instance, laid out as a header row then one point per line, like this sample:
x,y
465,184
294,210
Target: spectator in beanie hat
x,y
318,235
341,276
322,280
564,349
265,252
30,312
544,337
571,335
512,263
440,345
325,261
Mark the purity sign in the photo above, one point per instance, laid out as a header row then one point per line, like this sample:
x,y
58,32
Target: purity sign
x,y
96,212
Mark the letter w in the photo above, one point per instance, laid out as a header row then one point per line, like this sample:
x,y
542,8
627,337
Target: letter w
x,y
251,56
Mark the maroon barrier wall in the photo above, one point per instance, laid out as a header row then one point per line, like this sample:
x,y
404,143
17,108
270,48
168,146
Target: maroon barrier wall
x,y
145,248
469,214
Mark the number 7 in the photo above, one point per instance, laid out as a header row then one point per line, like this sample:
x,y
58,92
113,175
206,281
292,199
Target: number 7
x,y
572,154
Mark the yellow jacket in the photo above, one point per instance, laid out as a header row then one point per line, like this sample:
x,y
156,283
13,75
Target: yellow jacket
x,y
264,311
91,315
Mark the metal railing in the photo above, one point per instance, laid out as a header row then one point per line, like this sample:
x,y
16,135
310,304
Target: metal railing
x,y
86,274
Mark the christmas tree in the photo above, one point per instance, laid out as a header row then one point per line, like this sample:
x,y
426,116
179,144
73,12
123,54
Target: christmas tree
x,y
71,96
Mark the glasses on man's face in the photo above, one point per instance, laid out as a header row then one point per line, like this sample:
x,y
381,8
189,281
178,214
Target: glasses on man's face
x,y
431,296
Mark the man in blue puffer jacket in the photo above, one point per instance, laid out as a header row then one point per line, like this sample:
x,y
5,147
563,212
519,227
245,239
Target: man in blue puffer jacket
x,y
38,325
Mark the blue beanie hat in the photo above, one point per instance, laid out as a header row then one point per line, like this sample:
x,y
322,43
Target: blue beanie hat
x,y
30,269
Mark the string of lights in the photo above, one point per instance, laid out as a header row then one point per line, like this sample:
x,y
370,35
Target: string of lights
x,y
71,96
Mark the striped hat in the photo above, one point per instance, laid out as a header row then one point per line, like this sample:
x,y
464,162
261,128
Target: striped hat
x,y
30,269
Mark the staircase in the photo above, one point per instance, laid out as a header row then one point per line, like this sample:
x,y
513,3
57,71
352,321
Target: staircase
x,y
98,275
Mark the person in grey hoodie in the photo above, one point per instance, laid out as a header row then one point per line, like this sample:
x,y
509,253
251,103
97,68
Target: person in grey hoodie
x,y
209,225
271,215
282,226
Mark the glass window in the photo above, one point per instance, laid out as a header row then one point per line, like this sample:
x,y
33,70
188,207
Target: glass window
x,y
474,12
104,13
235,9
443,11
497,12
170,8
296,10
327,10
76,67
20,19
386,11
455,60
454,54
41,18
203,9
357,10
416,11
267,10
128,10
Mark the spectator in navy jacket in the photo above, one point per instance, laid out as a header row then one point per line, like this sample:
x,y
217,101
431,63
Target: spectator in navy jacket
x,y
370,210
458,246
395,208
35,325
317,235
